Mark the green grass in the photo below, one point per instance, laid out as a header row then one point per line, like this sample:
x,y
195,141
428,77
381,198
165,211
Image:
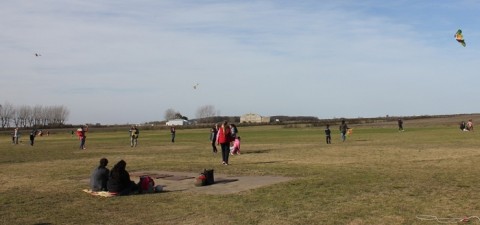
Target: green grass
x,y
378,176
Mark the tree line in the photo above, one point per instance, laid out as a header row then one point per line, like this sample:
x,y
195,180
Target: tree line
x,y
32,116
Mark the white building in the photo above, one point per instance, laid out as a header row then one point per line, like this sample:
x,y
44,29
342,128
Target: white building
x,y
177,122
254,118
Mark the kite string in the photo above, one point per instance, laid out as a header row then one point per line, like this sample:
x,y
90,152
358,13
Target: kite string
x,y
447,220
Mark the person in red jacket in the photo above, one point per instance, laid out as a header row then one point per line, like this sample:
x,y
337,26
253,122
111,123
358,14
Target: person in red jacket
x,y
224,138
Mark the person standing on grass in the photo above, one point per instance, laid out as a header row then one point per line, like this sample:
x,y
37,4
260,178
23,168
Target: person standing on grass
x,y
16,135
234,131
172,132
213,138
223,139
99,177
33,134
81,132
400,125
343,130
134,132
328,136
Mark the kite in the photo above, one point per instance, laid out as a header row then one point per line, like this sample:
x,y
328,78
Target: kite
x,y
459,37
195,86
37,55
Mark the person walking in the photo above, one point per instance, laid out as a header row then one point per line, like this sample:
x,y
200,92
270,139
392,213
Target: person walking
x,y
223,139
343,130
328,134
213,138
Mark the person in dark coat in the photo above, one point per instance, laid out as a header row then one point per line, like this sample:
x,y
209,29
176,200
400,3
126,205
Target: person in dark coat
x,y
99,177
119,180
33,134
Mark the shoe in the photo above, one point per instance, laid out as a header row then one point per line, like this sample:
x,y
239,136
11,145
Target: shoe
x,y
224,163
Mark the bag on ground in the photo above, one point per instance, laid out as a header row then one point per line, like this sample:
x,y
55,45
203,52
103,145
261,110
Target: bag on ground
x,y
146,185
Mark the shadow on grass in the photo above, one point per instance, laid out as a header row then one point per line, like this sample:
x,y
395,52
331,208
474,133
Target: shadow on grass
x,y
267,162
225,181
257,151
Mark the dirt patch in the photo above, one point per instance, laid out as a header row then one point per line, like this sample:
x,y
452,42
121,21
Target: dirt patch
x,y
182,181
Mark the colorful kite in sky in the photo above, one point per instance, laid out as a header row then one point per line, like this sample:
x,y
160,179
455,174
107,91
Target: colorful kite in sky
x,y
459,37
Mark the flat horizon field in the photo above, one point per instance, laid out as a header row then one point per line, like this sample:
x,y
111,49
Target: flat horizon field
x,y
378,176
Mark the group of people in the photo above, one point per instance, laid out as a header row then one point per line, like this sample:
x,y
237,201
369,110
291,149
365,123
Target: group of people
x,y
16,135
466,126
227,137
115,181
82,136
344,130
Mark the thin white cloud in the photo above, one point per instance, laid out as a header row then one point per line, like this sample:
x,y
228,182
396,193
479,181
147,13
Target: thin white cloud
x,y
271,57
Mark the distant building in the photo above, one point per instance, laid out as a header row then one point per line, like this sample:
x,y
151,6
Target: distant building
x,y
254,118
177,122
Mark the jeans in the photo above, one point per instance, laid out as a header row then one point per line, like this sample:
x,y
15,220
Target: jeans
x,y
225,151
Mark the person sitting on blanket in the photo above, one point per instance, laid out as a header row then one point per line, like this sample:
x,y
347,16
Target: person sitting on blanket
x,y
119,181
99,177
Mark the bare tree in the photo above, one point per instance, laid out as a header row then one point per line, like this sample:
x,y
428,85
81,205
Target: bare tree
x,y
22,114
205,112
63,114
7,112
37,115
170,114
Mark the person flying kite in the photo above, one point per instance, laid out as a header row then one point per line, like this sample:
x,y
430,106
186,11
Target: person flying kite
x,y
459,37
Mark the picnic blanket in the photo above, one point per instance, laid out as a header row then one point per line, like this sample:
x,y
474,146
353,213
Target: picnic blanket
x,y
100,193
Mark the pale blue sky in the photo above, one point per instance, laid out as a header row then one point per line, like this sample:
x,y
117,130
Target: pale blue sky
x,y
115,61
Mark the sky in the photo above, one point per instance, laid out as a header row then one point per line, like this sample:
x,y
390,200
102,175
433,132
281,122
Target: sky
x,y
118,61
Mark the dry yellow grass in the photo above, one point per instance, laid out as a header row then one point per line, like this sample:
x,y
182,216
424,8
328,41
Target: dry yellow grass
x,y
378,176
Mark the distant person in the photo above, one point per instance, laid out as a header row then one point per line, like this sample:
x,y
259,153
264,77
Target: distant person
x,y
16,135
463,126
224,139
328,136
134,132
119,180
99,177
33,134
172,132
235,149
82,136
400,125
213,138
343,130
233,131
470,125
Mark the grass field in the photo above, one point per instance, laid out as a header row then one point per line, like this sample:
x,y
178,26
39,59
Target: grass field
x,y
378,176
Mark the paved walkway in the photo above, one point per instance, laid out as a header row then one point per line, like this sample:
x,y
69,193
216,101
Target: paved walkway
x,y
181,181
